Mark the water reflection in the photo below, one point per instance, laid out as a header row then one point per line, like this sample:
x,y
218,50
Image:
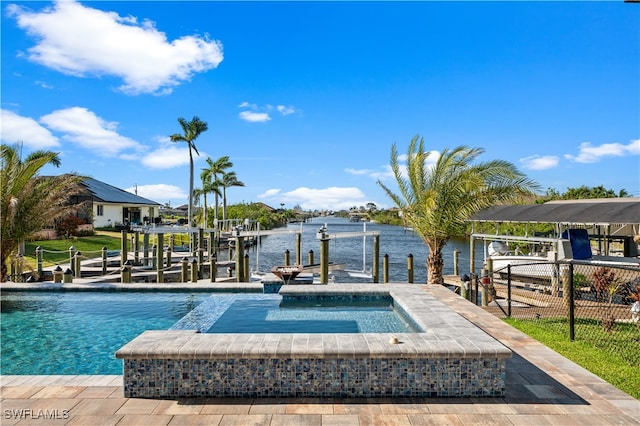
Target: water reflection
x,y
356,253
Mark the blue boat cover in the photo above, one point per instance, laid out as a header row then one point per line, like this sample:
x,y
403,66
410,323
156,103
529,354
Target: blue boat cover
x,y
580,245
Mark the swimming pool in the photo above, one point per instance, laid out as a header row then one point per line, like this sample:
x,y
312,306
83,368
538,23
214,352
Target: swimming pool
x,y
448,357
78,332
271,313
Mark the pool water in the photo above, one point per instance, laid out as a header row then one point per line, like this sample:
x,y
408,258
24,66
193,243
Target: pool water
x,y
79,332
267,316
269,313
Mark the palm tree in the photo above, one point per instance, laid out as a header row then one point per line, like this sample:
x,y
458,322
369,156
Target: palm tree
x,y
30,202
228,180
213,175
437,200
207,187
191,130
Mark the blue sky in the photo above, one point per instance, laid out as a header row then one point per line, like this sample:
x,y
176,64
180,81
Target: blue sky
x,y
307,98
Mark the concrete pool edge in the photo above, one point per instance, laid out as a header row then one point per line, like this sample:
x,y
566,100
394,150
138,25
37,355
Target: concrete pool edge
x,y
452,357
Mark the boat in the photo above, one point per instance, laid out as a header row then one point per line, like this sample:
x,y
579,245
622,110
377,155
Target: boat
x,y
541,261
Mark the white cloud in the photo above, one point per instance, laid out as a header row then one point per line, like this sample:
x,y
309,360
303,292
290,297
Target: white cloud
x,y
332,198
537,162
383,174
254,117
284,110
260,114
86,129
269,193
170,155
80,41
160,193
592,154
15,128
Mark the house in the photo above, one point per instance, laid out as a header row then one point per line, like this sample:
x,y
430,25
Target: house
x,y
111,206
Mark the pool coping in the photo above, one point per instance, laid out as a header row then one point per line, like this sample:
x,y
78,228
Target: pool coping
x,y
445,334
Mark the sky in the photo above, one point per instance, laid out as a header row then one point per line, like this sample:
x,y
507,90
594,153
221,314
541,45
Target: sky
x,y
307,98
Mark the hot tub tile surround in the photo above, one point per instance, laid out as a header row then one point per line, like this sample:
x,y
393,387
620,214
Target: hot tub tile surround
x,y
450,358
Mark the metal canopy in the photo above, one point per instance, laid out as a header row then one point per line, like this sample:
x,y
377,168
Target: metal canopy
x,y
607,211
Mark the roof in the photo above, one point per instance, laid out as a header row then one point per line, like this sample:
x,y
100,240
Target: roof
x,y
603,211
110,194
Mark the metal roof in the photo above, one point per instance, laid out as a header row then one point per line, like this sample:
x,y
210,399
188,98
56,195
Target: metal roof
x,y
619,211
110,194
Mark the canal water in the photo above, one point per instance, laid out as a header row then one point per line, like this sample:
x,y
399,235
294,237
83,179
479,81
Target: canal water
x,y
357,252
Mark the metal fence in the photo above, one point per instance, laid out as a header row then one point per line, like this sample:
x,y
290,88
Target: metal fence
x,y
599,304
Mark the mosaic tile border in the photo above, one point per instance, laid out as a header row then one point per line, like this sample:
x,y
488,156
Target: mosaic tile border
x,y
254,378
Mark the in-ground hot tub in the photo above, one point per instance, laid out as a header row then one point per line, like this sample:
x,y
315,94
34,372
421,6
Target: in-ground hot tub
x,y
448,357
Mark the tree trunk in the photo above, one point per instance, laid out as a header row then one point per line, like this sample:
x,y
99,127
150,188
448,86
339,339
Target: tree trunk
x,y
205,212
224,203
190,208
435,265
215,205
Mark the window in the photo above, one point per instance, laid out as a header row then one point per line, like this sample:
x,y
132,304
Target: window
x,y
100,210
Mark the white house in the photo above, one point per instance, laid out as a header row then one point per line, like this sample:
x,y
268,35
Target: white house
x,y
113,206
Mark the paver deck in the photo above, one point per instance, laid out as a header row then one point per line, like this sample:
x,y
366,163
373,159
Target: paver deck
x,y
542,388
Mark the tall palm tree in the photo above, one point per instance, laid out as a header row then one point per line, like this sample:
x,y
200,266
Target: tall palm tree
x,y
191,130
228,180
28,201
437,200
214,174
208,186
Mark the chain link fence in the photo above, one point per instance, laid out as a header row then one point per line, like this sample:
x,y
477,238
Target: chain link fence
x,y
599,304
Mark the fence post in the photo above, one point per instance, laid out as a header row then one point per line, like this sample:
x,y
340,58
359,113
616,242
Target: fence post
x,y
136,245
376,259
475,293
239,258
298,248
124,254
213,266
125,273
72,253
485,285
57,274
145,249
572,323
410,268
184,266
200,250
68,276
385,269
324,260
456,255
159,261
490,288
39,260
104,260
464,286
508,290
169,252
194,270
154,264
76,268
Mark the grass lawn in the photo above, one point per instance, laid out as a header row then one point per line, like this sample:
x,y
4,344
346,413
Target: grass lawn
x,y
57,251
601,361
